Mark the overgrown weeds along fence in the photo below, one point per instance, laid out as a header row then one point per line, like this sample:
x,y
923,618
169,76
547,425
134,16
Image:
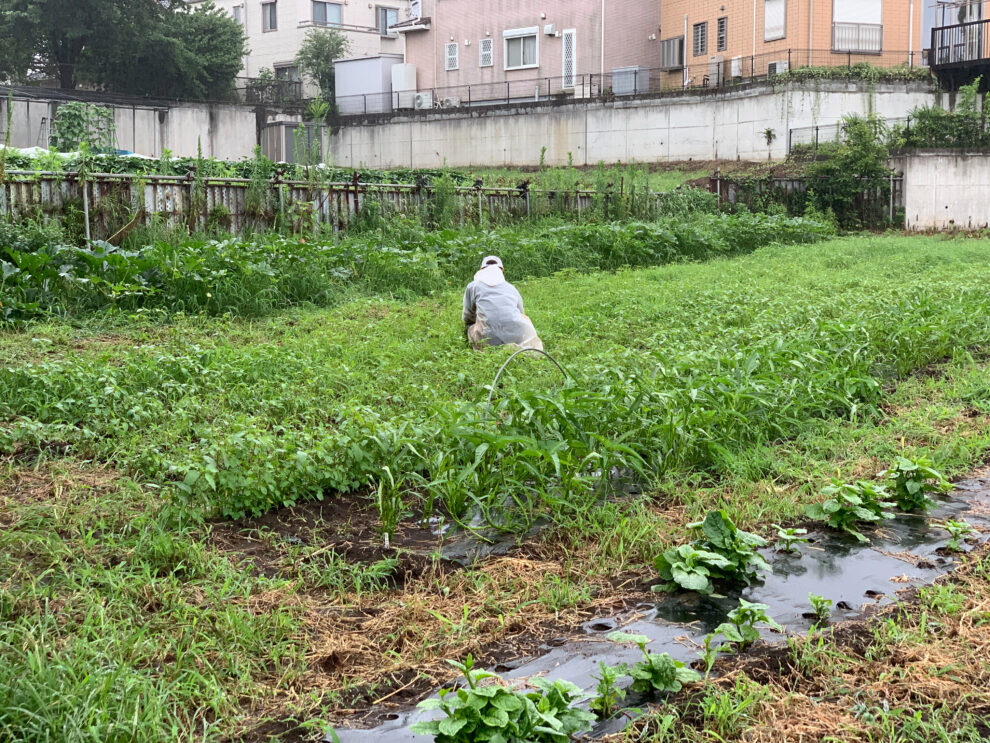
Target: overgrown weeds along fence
x,y
109,201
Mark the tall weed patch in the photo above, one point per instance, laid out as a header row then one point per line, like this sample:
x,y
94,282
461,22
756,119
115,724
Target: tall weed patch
x,y
41,274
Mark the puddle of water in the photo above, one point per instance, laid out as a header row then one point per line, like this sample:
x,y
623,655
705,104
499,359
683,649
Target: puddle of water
x,y
902,553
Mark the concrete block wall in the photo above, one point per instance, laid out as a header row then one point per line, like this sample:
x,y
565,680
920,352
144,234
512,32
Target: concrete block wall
x,y
690,126
945,190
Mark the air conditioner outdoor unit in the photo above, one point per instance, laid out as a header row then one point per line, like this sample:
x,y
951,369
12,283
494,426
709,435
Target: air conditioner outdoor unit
x,y
451,102
736,67
775,68
423,101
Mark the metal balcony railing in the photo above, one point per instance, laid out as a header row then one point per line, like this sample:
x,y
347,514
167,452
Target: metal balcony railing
x,y
862,38
960,44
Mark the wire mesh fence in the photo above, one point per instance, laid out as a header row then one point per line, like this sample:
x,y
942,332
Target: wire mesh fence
x,y
701,72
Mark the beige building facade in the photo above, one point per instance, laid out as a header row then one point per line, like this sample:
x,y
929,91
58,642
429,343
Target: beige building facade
x,y
725,39
276,28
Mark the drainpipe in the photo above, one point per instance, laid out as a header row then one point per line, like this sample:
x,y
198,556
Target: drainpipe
x,y
910,34
811,30
602,70
753,72
684,75
436,41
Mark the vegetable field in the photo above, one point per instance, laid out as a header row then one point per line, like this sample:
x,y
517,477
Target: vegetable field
x,y
233,471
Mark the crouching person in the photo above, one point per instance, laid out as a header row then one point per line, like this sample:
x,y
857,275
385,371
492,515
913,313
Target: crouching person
x,y
493,310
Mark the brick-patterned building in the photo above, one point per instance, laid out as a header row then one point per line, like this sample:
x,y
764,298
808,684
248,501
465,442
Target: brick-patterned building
x,y
467,42
723,39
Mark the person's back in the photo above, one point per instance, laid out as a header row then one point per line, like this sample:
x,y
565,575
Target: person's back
x,y
493,310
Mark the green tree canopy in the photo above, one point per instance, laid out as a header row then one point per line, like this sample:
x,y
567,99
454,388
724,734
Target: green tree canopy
x,y
141,47
319,50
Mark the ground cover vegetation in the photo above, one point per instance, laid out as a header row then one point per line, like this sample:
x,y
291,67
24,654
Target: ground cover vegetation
x,y
718,386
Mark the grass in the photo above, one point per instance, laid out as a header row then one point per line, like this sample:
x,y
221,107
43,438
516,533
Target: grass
x,y
123,618
569,178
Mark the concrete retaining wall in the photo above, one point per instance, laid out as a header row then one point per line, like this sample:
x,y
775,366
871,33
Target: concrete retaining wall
x,y
945,190
698,125
226,131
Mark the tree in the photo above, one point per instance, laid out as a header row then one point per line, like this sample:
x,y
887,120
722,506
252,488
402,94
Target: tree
x,y
319,50
143,47
191,54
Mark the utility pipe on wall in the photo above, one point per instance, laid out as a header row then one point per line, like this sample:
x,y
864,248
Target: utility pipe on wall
x,y
754,37
911,33
602,71
811,30
684,76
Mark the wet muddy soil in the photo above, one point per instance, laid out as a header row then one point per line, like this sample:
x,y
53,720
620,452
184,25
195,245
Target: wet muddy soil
x,y
904,552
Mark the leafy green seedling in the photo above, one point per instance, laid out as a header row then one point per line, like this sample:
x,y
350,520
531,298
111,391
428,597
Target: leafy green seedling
x,y
788,539
913,479
849,504
608,695
722,552
821,606
494,713
709,654
958,530
740,629
689,568
655,672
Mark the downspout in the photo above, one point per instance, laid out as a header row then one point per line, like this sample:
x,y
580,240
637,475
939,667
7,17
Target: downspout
x,y
436,43
684,74
753,58
811,31
602,66
911,34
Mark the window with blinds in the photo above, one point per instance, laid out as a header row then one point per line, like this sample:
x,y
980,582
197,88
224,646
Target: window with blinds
x,y
774,19
722,34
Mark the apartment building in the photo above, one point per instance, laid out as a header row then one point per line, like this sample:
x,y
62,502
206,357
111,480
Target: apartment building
x,y
276,28
486,45
725,39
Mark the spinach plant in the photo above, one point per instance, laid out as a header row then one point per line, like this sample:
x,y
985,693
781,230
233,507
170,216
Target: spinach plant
x,y
958,530
656,672
849,504
788,539
608,696
913,478
820,606
740,629
493,713
722,552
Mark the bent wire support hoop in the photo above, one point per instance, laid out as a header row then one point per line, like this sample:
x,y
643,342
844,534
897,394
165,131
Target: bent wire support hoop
x,y
491,390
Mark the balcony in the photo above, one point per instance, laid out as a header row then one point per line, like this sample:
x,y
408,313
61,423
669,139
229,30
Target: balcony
x,y
857,38
960,53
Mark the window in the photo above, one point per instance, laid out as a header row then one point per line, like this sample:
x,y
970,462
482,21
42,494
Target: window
x,y
387,17
569,66
486,53
722,35
700,39
326,14
269,16
235,12
857,26
521,50
287,72
451,56
774,17
672,53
